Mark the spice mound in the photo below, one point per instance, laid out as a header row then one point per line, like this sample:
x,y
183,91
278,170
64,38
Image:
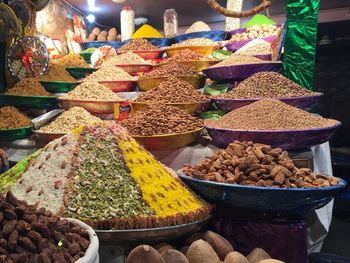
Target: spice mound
x,y
267,85
248,163
72,60
109,73
36,235
172,90
70,120
138,44
91,90
194,42
270,115
57,73
198,26
11,118
234,60
161,119
169,70
255,47
28,87
126,59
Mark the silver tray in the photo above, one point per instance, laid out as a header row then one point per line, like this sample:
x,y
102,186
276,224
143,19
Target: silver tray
x,y
151,235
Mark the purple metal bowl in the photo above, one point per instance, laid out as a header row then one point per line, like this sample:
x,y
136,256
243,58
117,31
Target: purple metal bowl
x,y
241,71
234,46
302,102
286,139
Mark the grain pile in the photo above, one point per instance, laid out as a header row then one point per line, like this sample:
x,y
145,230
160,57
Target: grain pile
x,y
267,85
172,90
28,87
138,44
72,60
91,90
57,73
126,59
169,70
108,73
185,55
255,47
198,26
11,118
234,60
270,115
161,119
248,163
70,120
194,42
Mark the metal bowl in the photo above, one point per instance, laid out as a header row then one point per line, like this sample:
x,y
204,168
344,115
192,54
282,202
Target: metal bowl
x,y
32,102
168,141
86,56
192,108
15,134
59,86
120,85
93,106
43,138
302,102
79,72
196,81
150,235
136,69
203,50
146,54
198,65
286,139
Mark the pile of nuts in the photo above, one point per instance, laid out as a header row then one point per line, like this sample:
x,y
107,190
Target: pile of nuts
x,y
138,44
161,119
186,55
29,234
11,118
169,70
248,163
57,73
194,42
256,31
126,59
72,60
234,60
267,85
172,90
255,47
28,87
109,73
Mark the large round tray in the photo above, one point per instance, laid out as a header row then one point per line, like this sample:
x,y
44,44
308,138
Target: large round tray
x,y
192,108
196,81
241,71
215,35
136,69
15,134
58,86
292,201
286,139
150,235
199,65
94,107
146,54
120,85
43,138
32,102
204,50
80,73
168,141
302,102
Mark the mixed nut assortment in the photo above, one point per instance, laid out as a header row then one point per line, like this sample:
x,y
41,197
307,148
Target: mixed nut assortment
x,y
248,163
28,234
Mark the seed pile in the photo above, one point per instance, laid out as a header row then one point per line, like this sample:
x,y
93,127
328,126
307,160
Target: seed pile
x,y
126,59
169,70
198,26
11,118
248,163
255,47
29,234
195,42
161,119
57,73
91,90
108,73
266,85
138,44
185,55
172,90
238,60
28,87
270,115
70,120
72,60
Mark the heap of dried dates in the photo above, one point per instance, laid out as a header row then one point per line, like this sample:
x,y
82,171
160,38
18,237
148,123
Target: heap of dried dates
x,y
248,163
28,234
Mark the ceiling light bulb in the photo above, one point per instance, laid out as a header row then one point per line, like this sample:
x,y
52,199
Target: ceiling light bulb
x,y
118,1
90,18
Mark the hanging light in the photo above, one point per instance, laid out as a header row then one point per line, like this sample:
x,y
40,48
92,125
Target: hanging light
x,y
118,1
91,18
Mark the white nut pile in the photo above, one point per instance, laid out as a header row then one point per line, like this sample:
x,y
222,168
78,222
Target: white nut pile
x,y
255,47
257,31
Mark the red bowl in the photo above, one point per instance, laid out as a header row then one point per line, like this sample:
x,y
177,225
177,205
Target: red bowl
x,y
119,85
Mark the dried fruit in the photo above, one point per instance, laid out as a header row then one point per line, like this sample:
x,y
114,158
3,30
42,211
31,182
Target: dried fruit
x,y
221,245
144,254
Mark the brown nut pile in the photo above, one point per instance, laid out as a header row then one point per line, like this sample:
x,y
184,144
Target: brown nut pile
x,y
11,118
72,60
138,44
267,85
173,90
29,234
185,55
28,87
161,119
169,70
57,73
248,163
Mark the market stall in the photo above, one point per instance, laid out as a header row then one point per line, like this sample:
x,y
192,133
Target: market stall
x,y
150,146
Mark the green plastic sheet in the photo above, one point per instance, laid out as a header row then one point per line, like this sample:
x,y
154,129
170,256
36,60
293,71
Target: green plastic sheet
x,y
259,19
300,41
